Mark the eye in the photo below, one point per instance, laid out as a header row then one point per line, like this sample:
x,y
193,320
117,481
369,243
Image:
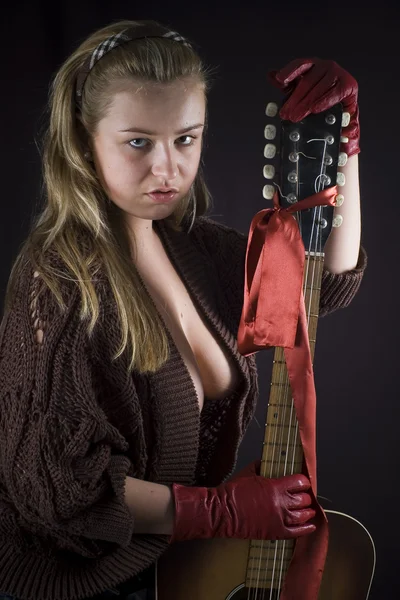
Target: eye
x,y
191,137
135,140
133,145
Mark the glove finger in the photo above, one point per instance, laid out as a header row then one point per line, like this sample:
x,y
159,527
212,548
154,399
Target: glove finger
x,y
329,99
301,530
299,517
305,96
300,501
293,69
297,483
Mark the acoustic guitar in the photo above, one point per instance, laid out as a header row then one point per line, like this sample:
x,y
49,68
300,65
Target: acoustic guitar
x,y
306,162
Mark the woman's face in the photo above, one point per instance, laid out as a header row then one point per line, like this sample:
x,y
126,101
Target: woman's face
x,y
150,138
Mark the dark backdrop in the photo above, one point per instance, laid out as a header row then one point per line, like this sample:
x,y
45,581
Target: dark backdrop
x,y
356,353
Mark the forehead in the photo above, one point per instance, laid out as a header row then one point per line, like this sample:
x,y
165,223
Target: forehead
x,y
176,102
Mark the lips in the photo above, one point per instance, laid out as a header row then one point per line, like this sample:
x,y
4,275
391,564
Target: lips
x,y
162,196
163,190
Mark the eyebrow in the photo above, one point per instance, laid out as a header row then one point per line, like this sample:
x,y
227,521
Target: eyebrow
x,y
136,130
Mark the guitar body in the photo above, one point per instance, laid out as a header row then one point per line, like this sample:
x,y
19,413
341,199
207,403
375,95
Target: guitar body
x,y
216,569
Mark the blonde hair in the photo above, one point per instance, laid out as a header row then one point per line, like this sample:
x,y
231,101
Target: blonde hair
x,y
78,222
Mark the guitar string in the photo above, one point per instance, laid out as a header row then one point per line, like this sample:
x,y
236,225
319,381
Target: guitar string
x,y
281,545
294,445
273,546
273,460
310,284
318,185
283,381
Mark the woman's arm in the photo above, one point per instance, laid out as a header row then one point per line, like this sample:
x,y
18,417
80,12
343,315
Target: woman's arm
x,y
151,506
343,244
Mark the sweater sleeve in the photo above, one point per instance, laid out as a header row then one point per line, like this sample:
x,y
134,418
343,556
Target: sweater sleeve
x,y
339,289
62,464
227,248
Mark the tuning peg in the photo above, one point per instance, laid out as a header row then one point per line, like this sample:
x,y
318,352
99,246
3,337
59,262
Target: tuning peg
x,y
345,119
269,150
340,179
339,199
342,159
337,221
268,192
344,139
269,171
271,109
270,132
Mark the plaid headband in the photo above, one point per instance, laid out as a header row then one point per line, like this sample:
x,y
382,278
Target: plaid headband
x,y
132,33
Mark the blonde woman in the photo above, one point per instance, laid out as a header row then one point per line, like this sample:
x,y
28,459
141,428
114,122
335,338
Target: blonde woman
x,y
123,396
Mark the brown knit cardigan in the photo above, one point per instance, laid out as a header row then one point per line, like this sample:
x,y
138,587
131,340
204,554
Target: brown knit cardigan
x,y
73,424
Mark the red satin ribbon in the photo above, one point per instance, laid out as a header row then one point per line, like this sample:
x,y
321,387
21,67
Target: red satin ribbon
x,y
274,315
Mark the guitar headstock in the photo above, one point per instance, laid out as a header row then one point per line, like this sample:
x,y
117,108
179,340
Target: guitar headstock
x,y
303,159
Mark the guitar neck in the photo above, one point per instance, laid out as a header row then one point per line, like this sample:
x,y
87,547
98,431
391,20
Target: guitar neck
x,y
282,452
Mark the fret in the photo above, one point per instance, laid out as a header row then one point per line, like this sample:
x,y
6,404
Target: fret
x,y
274,383
281,468
259,580
288,416
283,425
268,561
285,445
296,454
268,566
265,544
264,573
298,462
281,396
269,554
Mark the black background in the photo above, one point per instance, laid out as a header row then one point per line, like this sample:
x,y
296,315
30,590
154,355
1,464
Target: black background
x,y
356,358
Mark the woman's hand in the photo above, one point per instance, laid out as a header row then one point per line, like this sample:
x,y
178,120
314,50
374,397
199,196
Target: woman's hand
x,y
314,85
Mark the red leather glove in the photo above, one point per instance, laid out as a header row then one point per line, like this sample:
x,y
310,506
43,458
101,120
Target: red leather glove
x,y
315,85
248,507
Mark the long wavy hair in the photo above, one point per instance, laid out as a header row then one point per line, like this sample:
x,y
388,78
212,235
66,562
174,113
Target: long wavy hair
x,y
78,222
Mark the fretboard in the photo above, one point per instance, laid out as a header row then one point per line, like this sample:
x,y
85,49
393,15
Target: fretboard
x,y
282,452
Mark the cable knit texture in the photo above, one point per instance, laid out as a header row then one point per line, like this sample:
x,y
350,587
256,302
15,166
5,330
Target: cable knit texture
x,y
73,424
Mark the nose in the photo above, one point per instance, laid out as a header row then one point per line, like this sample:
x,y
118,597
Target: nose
x,y
165,162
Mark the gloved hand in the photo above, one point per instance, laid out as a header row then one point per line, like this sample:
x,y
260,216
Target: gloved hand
x,y
314,85
247,507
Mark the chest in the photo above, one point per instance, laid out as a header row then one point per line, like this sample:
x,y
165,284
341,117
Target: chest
x,y
210,365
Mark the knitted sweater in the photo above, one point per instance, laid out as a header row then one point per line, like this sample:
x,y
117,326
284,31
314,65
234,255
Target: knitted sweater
x,y
73,424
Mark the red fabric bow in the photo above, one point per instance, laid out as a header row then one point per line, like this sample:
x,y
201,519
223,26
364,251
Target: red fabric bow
x,y
274,315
